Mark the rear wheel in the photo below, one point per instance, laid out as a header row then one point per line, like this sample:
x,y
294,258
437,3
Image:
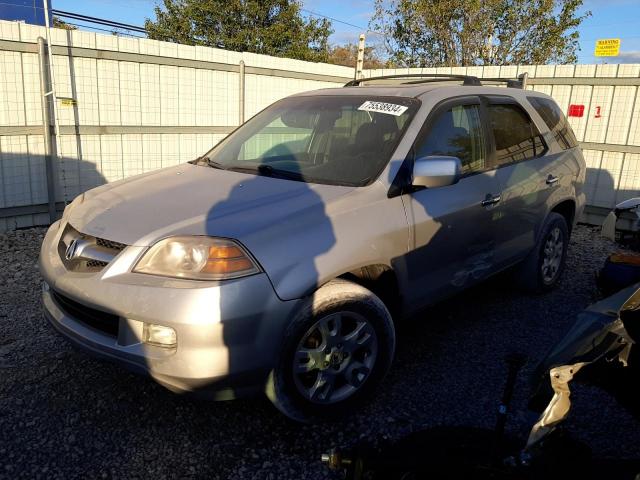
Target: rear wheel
x,y
542,269
335,353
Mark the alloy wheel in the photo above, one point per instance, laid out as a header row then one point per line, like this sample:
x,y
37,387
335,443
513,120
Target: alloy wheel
x,y
335,357
552,255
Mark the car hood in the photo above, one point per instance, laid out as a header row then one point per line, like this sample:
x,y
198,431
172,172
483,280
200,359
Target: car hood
x,y
195,200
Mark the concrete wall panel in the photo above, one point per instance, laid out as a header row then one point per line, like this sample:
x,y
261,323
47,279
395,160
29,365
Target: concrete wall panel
x,y
142,99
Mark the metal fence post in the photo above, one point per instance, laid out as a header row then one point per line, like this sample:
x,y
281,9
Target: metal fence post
x,y
241,102
46,122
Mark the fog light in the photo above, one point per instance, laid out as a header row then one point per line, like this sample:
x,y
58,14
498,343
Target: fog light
x,y
159,335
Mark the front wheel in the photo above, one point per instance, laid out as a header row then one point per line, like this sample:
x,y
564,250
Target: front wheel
x,y
542,269
335,352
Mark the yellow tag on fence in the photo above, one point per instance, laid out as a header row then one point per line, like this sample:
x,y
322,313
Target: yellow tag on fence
x,y
607,47
67,102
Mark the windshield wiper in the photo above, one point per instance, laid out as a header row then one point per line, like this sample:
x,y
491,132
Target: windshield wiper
x,y
269,171
204,160
213,164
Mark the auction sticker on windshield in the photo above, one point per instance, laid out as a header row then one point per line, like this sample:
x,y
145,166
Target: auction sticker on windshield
x,y
382,107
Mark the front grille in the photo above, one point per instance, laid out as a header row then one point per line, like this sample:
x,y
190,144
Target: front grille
x,y
91,317
92,254
103,242
96,264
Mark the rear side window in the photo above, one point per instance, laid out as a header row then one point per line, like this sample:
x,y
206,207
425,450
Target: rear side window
x,y
516,137
457,132
555,120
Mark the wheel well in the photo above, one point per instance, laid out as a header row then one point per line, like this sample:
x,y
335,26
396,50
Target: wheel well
x,y
568,210
381,280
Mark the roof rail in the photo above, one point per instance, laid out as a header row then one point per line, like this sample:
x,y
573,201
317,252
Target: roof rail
x,y
467,80
519,82
426,78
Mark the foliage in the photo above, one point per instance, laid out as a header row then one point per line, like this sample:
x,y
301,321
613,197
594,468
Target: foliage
x,y
270,27
426,33
347,55
59,23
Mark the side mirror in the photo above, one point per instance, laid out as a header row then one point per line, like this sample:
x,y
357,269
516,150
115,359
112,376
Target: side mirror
x,y
436,171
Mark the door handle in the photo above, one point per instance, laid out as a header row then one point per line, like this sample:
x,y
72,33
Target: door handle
x,y
491,200
551,179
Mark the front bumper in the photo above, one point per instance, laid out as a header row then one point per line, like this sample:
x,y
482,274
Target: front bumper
x,y
228,333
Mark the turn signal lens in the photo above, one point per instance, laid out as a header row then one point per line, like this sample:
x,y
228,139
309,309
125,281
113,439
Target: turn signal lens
x,y
197,258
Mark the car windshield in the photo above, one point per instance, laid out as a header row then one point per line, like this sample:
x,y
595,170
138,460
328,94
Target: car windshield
x,y
338,140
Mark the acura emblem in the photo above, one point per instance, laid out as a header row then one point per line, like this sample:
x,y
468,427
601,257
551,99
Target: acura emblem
x,y
71,250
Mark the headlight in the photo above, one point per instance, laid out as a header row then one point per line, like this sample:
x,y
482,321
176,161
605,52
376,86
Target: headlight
x,y
197,258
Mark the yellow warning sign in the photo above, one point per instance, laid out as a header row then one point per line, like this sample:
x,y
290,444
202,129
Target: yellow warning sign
x,y
67,102
607,47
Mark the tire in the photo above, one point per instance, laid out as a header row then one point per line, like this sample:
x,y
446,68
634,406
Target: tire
x,y
534,275
341,345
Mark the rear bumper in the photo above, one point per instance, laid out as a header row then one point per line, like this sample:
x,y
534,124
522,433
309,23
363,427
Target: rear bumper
x,y
228,333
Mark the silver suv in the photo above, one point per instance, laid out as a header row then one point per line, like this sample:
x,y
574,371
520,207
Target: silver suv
x,y
279,261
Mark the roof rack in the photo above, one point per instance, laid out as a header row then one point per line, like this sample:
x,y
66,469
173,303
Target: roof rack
x,y
467,80
520,82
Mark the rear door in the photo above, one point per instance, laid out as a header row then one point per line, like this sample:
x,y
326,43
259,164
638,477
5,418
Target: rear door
x,y
527,176
452,237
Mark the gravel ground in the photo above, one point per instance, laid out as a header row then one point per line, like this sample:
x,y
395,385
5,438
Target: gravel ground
x,y
65,415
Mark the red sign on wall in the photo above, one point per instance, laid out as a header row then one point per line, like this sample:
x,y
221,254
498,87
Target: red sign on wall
x,y
575,111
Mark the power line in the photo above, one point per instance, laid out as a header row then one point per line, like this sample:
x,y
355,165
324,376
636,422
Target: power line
x,y
104,30
85,18
100,21
333,19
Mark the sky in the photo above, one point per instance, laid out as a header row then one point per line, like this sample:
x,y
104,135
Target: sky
x,y
609,19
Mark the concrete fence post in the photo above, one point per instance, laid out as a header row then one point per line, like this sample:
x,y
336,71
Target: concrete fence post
x,y
46,122
241,94
357,74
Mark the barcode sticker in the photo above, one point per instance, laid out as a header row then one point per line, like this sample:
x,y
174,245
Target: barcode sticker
x,y
382,107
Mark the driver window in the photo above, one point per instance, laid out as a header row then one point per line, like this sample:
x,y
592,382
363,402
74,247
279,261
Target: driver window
x,y
457,133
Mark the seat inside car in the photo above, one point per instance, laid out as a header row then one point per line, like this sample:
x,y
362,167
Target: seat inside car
x,y
447,139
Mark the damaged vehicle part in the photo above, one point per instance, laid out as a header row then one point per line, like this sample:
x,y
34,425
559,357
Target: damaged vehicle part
x,y
629,212
599,348
601,341
454,452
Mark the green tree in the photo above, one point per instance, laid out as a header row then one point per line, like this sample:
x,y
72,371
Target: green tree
x,y
270,27
347,55
427,33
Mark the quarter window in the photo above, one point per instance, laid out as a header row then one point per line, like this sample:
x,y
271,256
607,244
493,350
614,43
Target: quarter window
x,y
457,133
516,137
555,120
